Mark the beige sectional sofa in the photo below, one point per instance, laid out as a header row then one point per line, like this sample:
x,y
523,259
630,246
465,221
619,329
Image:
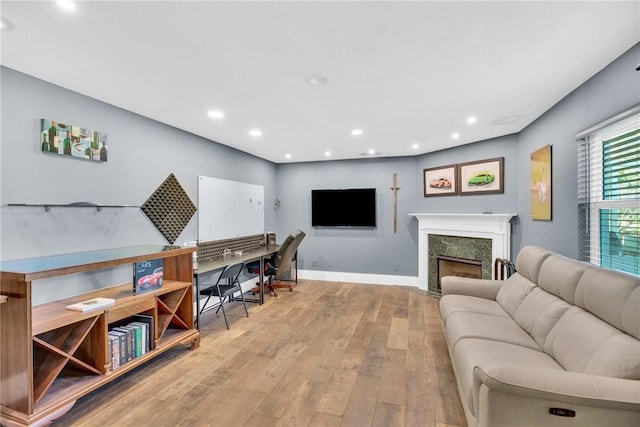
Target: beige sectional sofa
x,y
556,344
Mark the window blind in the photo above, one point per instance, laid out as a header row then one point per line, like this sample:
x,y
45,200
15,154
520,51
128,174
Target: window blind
x,y
609,196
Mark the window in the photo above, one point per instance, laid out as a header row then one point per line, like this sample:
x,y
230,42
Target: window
x,y
609,194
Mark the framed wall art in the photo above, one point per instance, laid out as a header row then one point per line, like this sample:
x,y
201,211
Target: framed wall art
x,y
482,176
441,181
540,184
72,141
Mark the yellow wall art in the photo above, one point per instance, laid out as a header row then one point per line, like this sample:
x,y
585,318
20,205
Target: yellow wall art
x,y
540,185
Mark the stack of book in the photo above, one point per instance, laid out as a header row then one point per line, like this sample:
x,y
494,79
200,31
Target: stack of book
x,y
131,340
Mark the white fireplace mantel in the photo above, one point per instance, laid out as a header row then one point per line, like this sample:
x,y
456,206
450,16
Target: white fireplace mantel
x,y
496,227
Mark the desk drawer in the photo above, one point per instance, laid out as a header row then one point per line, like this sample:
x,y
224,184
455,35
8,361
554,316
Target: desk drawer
x,y
122,312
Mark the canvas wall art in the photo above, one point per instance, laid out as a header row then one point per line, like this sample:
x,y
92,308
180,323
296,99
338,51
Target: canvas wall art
x,y
540,184
73,141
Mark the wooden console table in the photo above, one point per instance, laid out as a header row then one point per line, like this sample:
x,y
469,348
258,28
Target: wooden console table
x,y
51,356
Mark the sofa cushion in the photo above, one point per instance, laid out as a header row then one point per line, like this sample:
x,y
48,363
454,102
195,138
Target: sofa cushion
x,y
581,342
612,296
539,312
463,303
529,260
479,325
514,292
472,352
560,276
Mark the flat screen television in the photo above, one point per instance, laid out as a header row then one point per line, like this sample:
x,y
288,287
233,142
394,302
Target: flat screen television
x,y
354,207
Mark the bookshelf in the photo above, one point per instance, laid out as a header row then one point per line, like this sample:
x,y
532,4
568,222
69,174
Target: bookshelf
x,y
51,356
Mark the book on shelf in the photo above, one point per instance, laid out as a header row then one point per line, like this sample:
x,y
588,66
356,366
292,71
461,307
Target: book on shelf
x,y
147,276
144,336
121,351
129,342
91,304
114,350
151,335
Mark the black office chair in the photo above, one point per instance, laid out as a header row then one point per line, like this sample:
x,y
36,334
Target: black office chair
x,y
280,264
225,290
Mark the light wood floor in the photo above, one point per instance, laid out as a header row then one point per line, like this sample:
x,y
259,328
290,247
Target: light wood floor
x,y
327,354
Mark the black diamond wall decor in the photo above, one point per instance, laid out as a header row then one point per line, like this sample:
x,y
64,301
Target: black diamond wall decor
x,y
169,208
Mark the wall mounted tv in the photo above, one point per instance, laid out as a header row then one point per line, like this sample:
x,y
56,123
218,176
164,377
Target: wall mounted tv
x,y
354,207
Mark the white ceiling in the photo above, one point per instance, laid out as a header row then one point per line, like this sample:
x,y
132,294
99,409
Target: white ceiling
x,y
403,72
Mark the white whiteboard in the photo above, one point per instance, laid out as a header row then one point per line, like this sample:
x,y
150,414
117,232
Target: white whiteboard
x,y
229,209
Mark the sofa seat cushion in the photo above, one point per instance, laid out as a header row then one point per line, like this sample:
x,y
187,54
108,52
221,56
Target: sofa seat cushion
x,y
471,352
450,304
479,325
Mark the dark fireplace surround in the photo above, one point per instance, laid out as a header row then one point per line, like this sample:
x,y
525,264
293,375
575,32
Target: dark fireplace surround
x,y
466,252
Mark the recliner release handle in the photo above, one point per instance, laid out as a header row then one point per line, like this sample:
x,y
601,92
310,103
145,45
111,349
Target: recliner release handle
x,y
562,412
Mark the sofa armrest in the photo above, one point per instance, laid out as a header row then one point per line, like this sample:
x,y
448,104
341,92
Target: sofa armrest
x,y
558,385
481,288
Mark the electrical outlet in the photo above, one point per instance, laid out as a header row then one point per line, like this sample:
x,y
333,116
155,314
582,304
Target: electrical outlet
x,y
396,267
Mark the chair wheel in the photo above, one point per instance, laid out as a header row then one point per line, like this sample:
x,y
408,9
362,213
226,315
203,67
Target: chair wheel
x,y
275,294
290,289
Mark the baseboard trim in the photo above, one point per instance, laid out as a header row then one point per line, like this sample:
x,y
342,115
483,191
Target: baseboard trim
x,y
374,279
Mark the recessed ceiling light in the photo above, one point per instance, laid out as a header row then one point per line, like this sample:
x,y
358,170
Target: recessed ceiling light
x,y
471,120
215,114
66,4
255,132
287,156
327,153
356,132
415,146
318,80
455,135
372,151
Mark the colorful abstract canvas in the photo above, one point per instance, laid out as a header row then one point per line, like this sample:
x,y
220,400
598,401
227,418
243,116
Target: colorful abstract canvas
x,y
540,184
74,141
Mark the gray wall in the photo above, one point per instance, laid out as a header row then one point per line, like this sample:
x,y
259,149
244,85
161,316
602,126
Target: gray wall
x,y
372,251
609,92
143,152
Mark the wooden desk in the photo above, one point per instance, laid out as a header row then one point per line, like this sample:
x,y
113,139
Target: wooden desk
x,y
226,260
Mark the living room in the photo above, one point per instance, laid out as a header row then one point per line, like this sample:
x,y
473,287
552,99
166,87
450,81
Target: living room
x,y
144,151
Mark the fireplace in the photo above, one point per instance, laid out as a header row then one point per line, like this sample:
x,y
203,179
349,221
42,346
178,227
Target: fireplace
x,y
460,267
495,229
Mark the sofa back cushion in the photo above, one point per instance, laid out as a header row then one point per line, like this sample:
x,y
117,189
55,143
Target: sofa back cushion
x,y
521,283
529,260
612,296
539,312
560,276
513,292
583,343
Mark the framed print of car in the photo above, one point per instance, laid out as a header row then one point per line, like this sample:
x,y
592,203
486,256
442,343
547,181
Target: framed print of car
x,y
441,181
481,177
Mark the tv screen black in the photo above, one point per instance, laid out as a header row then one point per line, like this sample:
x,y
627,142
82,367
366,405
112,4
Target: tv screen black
x,y
355,207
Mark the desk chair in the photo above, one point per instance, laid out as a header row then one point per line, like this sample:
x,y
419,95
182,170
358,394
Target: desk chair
x,y
226,285
280,264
